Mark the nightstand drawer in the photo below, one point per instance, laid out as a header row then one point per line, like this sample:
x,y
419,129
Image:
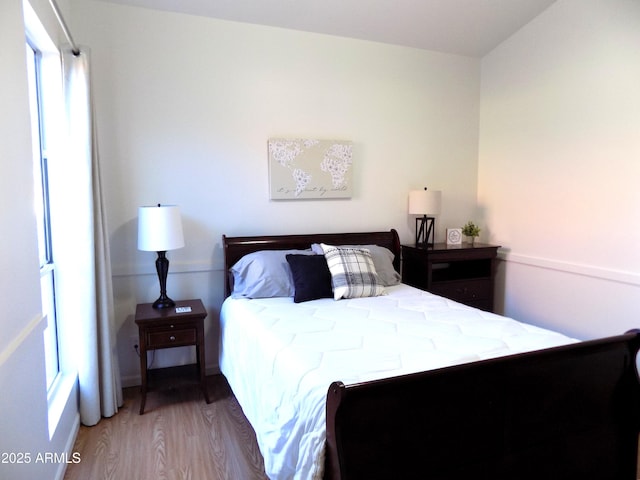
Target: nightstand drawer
x,y
171,337
468,291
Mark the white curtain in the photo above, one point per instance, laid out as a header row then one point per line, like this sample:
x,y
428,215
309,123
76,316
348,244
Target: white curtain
x,y
85,272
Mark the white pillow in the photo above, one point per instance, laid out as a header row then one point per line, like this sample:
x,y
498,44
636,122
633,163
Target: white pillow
x,y
353,273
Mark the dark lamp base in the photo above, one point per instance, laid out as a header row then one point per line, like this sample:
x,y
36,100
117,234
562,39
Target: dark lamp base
x,y
164,302
162,267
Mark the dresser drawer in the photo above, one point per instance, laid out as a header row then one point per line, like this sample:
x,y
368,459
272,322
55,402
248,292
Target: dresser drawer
x,y
467,291
171,337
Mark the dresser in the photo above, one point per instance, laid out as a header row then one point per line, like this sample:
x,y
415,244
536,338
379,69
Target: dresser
x,y
464,273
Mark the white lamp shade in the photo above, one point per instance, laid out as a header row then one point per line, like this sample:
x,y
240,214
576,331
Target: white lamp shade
x,y
159,228
424,202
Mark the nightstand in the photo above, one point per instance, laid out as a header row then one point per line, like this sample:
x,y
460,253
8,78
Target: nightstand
x,y
179,326
464,273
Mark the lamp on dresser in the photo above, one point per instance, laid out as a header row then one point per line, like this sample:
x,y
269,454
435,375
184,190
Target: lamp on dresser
x,y
425,203
160,230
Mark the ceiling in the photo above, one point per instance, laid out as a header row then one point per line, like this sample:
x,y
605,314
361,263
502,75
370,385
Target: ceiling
x,y
464,27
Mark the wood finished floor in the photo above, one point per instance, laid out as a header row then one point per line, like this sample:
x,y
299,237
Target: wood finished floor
x,y
179,437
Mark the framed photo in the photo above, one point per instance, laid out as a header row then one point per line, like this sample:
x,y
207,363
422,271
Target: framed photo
x,y
454,236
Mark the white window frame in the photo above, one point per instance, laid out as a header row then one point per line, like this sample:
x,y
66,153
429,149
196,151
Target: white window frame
x,y
61,389
39,135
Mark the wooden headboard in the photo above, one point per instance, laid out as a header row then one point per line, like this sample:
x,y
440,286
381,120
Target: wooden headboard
x,y
237,247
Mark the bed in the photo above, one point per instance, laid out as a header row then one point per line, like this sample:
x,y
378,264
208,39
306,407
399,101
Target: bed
x,y
407,384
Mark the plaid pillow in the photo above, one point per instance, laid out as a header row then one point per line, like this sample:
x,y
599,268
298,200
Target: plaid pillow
x,y
353,274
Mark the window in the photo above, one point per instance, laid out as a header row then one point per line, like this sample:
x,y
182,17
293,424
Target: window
x,y
51,181
40,138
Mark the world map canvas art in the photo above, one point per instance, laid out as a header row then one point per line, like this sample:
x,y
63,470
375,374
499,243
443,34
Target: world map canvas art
x,y
304,168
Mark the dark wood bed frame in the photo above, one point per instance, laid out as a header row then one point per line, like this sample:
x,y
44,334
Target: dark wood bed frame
x,y
569,412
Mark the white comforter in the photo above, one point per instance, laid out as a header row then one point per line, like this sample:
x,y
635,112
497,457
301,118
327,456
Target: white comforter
x,y
280,358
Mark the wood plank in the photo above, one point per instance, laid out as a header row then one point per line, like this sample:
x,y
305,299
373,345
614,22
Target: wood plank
x,y
179,437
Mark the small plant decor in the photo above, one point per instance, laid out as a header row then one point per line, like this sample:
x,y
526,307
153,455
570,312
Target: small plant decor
x,y
471,230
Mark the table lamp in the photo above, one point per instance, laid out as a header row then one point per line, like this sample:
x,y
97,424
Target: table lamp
x,y
425,203
160,230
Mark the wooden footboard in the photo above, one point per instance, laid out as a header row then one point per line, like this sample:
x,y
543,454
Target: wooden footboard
x,y
569,412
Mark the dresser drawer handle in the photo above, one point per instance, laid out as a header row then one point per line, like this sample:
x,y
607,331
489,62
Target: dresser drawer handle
x,y
172,338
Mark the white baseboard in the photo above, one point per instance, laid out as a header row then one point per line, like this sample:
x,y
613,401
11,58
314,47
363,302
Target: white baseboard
x,y
68,448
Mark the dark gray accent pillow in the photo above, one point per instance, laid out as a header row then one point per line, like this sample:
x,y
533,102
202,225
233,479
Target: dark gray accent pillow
x,y
311,277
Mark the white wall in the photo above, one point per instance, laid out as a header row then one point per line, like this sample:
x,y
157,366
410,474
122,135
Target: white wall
x,y
186,106
559,166
23,402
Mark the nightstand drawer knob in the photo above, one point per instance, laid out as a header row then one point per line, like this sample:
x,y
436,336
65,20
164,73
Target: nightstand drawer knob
x,y
172,338
171,326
